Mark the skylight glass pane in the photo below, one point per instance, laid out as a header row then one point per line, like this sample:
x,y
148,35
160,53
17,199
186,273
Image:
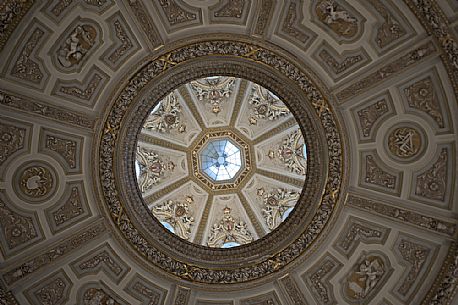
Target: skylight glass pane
x,y
230,244
221,160
168,226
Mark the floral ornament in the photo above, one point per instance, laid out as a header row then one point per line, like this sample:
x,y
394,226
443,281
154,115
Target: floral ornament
x,y
151,168
265,105
213,90
36,181
277,205
292,153
228,230
177,214
166,116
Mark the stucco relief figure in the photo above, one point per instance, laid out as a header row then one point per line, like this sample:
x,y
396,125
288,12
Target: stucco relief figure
x,y
337,18
151,168
176,214
229,230
79,42
277,205
213,90
365,277
293,153
265,106
166,116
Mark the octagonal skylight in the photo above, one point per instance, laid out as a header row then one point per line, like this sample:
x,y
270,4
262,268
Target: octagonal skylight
x,y
221,159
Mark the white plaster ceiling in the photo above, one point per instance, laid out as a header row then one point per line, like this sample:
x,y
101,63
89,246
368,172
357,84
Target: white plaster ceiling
x,y
387,74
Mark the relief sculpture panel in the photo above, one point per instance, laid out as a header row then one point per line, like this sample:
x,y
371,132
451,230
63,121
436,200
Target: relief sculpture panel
x,y
366,278
339,19
76,45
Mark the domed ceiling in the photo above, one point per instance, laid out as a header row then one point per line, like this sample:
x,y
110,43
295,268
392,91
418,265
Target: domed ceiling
x,y
228,144
228,152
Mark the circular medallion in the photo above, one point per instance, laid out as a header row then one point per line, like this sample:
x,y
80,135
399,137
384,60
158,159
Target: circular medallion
x,y
405,142
35,182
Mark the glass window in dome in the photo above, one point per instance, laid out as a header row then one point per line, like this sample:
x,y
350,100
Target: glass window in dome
x,y
221,160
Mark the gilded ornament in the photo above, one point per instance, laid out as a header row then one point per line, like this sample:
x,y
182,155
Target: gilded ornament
x,y
229,230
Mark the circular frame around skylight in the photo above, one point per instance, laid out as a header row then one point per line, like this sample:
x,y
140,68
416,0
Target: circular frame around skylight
x,y
306,223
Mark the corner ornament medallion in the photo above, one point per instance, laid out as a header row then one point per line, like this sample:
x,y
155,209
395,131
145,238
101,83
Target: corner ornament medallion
x,y
239,54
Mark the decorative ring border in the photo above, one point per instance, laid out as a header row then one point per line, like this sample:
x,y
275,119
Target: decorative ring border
x,y
111,132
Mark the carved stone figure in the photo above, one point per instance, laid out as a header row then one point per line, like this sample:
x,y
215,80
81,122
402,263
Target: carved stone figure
x,y
77,44
228,230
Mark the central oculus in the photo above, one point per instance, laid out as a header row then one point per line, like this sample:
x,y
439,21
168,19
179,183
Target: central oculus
x,y
221,159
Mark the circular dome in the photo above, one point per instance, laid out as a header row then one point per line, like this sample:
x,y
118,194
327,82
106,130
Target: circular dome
x,y
234,154
271,130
